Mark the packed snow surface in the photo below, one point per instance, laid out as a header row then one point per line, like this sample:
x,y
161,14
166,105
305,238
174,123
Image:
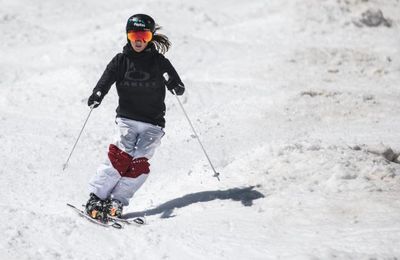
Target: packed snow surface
x,y
296,102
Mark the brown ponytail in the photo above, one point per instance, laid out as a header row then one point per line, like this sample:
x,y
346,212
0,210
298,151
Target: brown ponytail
x,y
160,41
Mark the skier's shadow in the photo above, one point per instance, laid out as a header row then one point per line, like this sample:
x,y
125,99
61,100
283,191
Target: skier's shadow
x,y
244,195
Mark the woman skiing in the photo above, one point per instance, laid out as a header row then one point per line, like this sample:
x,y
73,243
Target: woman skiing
x,y
141,73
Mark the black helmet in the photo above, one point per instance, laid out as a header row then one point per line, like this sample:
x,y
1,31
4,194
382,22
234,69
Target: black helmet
x,y
140,22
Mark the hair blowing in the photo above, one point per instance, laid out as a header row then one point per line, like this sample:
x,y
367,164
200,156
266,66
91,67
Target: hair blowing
x,y
160,41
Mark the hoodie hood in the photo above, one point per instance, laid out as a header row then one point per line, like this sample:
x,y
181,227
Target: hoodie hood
x,y
128,50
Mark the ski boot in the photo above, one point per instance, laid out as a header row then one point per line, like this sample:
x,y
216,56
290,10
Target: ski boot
x,y
95,208
114,208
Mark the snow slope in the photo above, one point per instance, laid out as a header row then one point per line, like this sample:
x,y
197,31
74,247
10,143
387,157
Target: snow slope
x,y
296,104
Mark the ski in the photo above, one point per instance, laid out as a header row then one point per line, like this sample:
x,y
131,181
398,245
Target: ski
x,y
137,220
112,223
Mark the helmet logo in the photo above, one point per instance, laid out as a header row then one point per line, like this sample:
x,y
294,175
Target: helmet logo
x,y
139,24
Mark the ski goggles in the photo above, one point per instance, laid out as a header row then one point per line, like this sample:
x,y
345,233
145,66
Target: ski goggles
x,y
144,36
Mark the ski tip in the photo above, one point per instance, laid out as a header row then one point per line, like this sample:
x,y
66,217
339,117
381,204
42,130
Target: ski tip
x,y
140,221
116,225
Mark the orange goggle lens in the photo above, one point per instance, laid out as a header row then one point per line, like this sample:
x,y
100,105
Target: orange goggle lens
x,y
145,36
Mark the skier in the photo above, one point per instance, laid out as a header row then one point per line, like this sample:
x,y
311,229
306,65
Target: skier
x,y
139,73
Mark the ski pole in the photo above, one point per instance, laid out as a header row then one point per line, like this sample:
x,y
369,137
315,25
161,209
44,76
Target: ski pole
x,y
216,174
73,148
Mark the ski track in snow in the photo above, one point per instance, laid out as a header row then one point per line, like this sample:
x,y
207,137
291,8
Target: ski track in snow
x,y
296,105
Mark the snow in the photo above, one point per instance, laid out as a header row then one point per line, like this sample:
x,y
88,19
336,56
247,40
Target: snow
x,y
296,104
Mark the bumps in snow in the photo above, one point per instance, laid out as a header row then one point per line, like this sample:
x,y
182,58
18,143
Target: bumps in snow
x,y
373,18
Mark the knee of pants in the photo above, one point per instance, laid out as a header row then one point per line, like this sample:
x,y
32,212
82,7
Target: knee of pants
x,y
119,159
138,167
126,165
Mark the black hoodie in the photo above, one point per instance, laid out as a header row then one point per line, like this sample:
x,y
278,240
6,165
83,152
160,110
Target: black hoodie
x,y
140,83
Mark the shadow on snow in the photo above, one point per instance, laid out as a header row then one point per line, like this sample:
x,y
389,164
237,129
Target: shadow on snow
x,y
244,195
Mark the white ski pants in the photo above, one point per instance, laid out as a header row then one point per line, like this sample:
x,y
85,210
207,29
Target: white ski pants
x,y
138,140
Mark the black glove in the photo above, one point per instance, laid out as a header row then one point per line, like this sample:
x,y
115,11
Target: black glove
x,y
179,89
174,85
95,99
